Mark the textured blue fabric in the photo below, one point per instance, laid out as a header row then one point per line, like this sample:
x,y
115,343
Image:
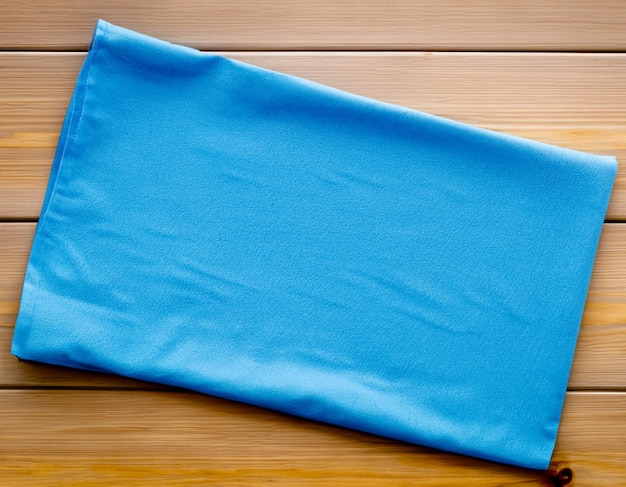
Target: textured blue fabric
x,y
263,238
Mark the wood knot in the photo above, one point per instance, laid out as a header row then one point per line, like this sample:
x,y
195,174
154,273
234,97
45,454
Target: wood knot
x,y
562,477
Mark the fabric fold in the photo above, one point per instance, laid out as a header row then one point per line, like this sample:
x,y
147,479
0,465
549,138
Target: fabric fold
x,y
263,238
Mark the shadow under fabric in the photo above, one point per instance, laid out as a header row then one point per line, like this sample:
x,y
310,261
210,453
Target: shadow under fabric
x,y
263,238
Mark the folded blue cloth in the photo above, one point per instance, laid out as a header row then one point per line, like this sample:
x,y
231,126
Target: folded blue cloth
x,y
263,238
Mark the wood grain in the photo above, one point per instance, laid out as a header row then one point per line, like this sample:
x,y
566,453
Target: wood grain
x,y
326,24
600,360
573,100
142,438
15,243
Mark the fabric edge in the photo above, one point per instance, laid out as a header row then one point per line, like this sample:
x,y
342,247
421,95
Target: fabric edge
x,y
70,123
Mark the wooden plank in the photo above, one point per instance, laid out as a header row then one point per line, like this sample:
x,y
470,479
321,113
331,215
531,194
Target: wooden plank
x,y
17,374
599,363
15,243
159,438
577,101
600,360
326,24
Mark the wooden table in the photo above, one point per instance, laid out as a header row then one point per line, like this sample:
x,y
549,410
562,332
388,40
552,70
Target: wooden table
x,y
548,69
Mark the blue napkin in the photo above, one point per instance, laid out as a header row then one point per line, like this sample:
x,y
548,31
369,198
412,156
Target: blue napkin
x,y
263,238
